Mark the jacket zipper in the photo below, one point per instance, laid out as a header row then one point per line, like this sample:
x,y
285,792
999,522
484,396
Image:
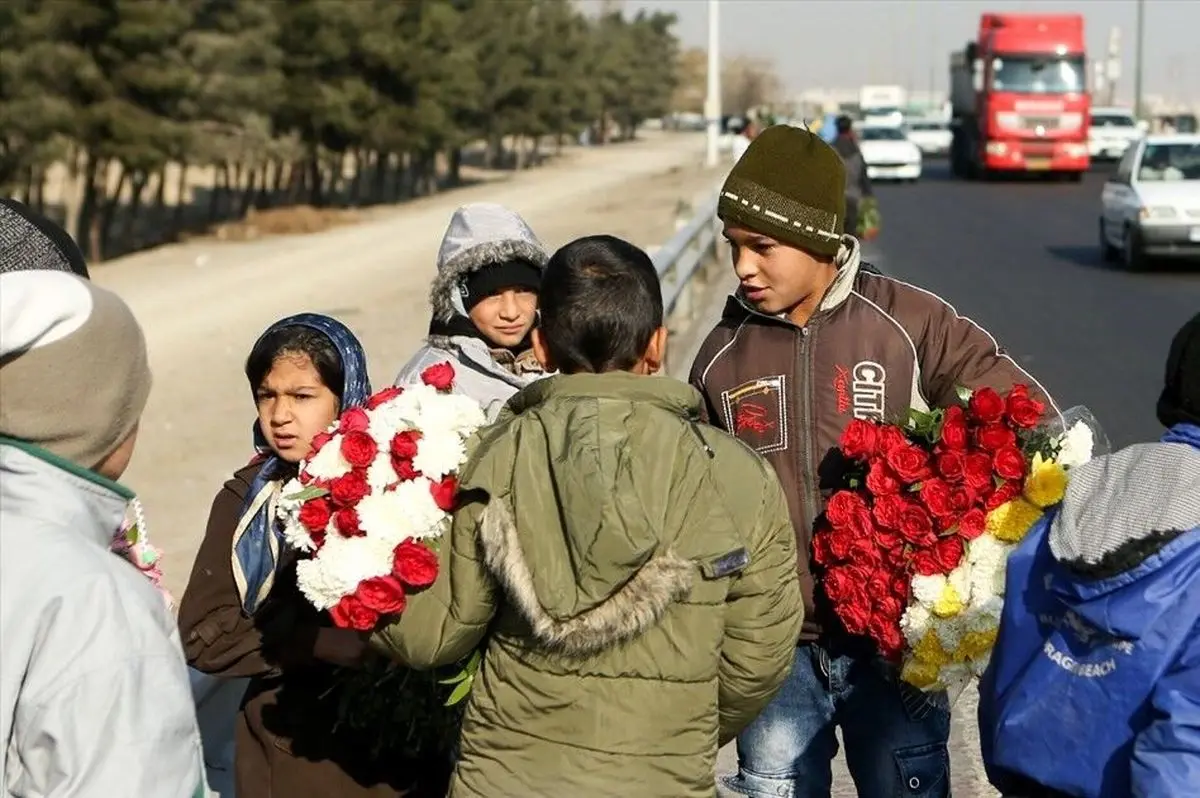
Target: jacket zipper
x,y
807,473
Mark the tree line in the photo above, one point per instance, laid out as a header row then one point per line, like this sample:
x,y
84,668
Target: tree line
x,y
317,102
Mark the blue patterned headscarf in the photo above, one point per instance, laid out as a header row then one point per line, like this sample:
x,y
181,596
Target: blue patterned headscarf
x,y
257,538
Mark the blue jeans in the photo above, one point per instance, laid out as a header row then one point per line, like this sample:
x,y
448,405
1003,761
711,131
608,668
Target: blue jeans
x,y
896,737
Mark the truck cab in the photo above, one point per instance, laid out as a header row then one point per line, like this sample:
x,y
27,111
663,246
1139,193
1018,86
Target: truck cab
x,y
1019,98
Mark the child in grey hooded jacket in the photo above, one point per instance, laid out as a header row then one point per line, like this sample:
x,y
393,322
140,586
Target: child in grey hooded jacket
x,y
484,300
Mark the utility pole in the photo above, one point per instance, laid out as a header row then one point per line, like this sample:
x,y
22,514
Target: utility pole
x,y
712,101
1137,70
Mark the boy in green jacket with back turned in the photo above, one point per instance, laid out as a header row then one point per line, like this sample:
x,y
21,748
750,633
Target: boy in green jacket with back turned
x,y
630,572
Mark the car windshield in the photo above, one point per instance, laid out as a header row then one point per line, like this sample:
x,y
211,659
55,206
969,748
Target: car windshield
x,y
881,134
1038,75
927,126
1162,163
1113,120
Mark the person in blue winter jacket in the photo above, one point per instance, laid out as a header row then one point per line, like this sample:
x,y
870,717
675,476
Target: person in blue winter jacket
x,y
1094,684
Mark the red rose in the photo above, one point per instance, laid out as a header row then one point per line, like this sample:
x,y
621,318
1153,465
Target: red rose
x,y
319,440
858,439
889,437
888,606
977,471
444,492
404,444
347,523
838,541
961,500
886,634
887,510
950,465
900,587
881,480
1022,410
837,584
936,496
972,523
415,564
383,594
842,506
351,613
910,462
865,552
349,489
949,553
916,526
439,376
994,437
359,448
315,514
383,397
354,420
954,428
821,553
1004,493
925,562
1009,463
880,584
985,406
405,470
889,542
855,616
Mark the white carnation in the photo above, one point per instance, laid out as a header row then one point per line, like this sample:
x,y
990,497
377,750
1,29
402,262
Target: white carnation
x,y
950,632
328,463
1076,445
988,556
339,567
928,589
381,472
451,413
915,623
960,580
393,516
439,453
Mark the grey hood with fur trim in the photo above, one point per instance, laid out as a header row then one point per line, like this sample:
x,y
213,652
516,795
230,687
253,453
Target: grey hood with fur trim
x,y
479,234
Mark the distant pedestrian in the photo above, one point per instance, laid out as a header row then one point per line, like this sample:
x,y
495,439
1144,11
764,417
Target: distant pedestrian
x,y
810,340
860,196
1093,689
741,142
484,300
629,572
94,693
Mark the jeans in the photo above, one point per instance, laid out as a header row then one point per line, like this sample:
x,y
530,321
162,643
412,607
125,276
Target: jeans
x,y
896,737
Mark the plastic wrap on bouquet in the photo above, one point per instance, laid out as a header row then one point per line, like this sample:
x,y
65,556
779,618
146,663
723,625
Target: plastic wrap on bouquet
x,y
1078,435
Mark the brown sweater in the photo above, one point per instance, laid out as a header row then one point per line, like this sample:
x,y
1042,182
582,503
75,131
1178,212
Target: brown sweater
x,y
285,747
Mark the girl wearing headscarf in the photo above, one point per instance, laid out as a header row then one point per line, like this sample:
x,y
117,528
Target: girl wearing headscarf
x,y
242,615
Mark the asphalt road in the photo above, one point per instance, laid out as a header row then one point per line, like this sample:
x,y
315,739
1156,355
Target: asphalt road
x,y
1021,258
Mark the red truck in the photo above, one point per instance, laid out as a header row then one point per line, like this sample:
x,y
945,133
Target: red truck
x,y
1019,99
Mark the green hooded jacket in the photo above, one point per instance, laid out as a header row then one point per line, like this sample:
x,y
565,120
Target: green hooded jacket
x,y
632,576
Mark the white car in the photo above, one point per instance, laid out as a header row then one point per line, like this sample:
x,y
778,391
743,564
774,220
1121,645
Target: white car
x,y
1111,132
1150,206
931,136
888,153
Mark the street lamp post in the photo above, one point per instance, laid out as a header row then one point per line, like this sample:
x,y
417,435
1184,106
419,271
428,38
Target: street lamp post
x,y
712,100
1137,69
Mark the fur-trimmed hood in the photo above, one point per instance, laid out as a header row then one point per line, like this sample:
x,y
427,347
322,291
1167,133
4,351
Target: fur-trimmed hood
x,y
574,526
479,234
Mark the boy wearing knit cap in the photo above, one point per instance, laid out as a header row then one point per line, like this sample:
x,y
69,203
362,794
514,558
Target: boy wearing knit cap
x,y
1093,685
484,300
810,340
94,692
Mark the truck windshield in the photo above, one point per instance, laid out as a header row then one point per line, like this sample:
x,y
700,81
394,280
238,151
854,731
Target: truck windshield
x,y
1026,74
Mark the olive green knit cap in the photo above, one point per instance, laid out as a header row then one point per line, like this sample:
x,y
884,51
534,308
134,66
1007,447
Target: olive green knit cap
x,y
789,185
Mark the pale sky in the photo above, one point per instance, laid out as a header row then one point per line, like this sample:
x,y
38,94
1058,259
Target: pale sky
x,y
846,43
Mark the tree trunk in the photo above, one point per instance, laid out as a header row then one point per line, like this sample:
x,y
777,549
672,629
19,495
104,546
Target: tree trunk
x,y
255,178
179,219
379,182
128,223
87,209
454,167
314,176
112,204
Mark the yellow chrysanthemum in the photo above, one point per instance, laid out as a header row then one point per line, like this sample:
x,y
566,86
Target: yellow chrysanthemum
x,y
950,603
1012,520
974,645
929,650
1046,483
920,674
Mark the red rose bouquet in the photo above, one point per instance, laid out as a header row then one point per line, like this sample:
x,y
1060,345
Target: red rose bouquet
x,y
911,552
374,494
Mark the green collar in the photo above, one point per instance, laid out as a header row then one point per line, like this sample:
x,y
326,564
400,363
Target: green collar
x,y
667,393
66,465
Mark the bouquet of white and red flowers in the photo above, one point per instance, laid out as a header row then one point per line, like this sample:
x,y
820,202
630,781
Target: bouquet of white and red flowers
x,y
373,496
913,550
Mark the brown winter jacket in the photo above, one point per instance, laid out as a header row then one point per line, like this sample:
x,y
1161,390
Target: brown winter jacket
x,y
284,748
875,347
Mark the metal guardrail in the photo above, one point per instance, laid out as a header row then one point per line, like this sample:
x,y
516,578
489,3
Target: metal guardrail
x,y
685,260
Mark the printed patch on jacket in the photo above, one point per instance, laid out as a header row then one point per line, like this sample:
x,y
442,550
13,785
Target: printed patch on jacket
x,y
756,411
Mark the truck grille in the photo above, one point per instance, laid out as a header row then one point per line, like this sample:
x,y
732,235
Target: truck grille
x,y
1044,122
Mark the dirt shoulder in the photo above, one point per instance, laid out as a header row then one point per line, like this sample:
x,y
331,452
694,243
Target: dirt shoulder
x,y
204,302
